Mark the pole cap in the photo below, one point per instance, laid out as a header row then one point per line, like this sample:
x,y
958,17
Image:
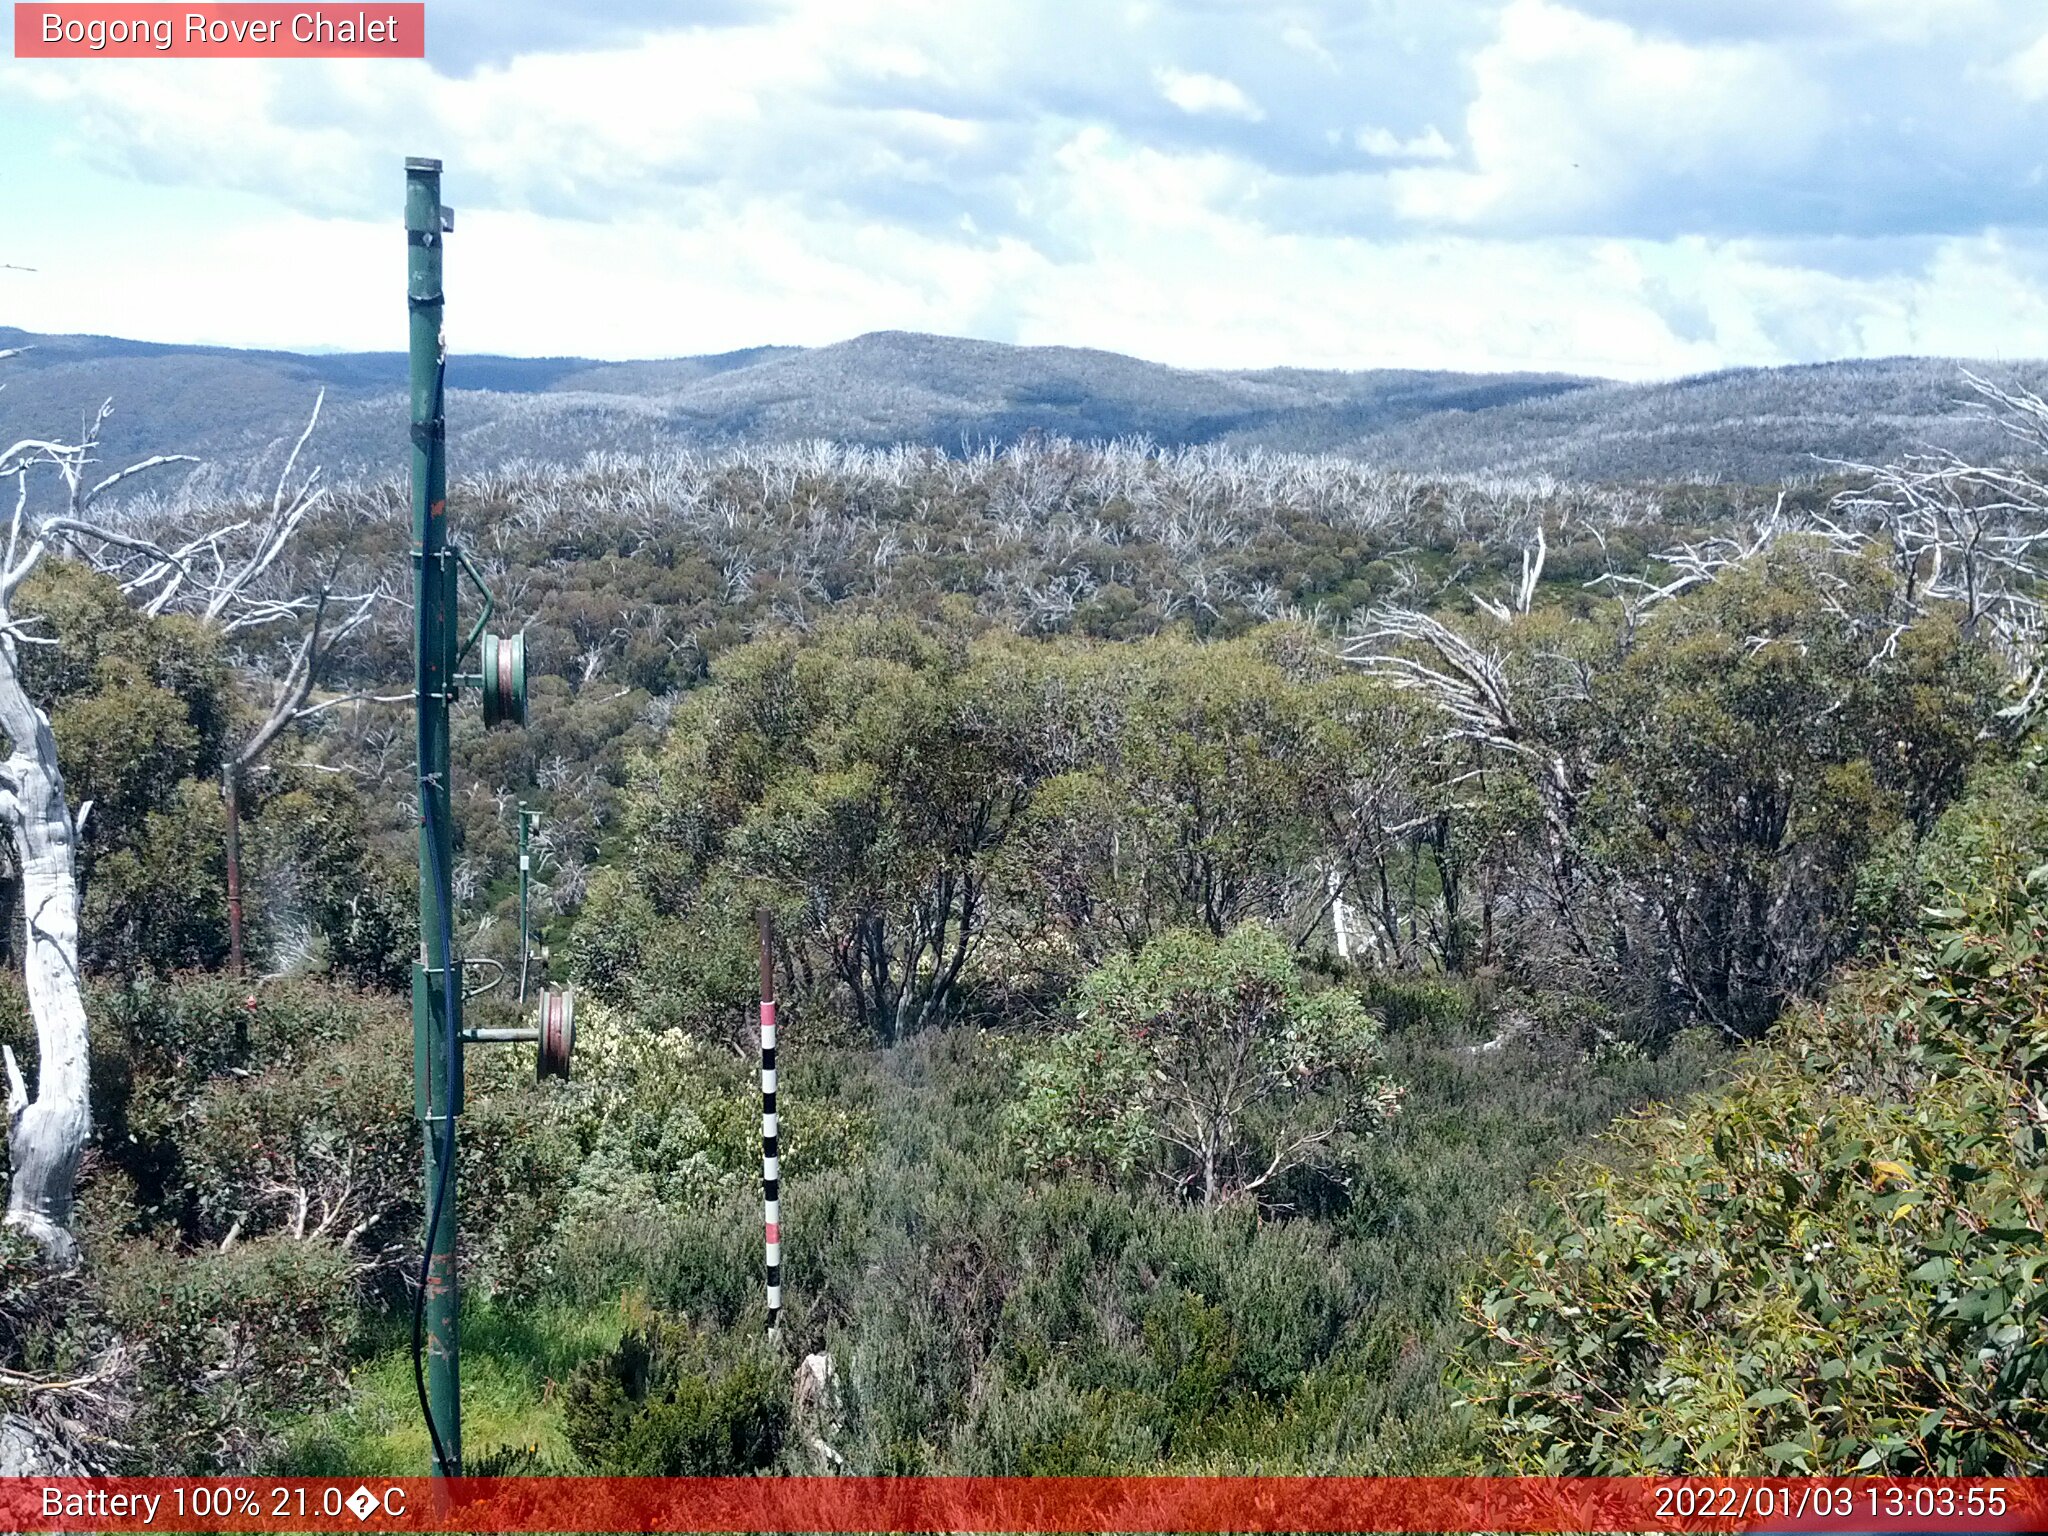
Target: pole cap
x,y
421,163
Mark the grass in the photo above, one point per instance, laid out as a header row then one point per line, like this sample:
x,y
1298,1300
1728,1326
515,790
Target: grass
x,y
514,1355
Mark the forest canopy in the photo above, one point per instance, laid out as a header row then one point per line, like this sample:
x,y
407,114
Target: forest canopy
x,y
1207,890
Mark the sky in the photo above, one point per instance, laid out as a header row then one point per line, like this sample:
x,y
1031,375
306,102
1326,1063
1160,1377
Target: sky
x,y
1632,188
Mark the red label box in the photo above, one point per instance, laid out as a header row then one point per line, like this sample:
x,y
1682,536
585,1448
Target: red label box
x,y
1795,1506
365,29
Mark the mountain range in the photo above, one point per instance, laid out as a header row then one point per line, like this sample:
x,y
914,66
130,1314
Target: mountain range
x,y
239,410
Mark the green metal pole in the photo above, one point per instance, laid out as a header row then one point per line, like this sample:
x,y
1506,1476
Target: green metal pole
x,y
525,864
436,993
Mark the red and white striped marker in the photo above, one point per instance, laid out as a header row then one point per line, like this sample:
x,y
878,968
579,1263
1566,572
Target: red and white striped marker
x,y
771,1162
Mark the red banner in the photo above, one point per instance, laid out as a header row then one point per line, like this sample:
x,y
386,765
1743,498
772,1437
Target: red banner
x,y
1026,1504
243,31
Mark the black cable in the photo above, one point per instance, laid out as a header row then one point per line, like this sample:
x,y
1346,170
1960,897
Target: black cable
x,y
447,1160
450,1044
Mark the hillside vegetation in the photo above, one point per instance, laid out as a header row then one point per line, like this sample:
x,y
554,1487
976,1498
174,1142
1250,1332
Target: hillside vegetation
x,y
1209,888
240,410
1835,1262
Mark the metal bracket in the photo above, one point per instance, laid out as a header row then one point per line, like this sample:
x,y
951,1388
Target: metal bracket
x,y
497,967
476,577
489,1036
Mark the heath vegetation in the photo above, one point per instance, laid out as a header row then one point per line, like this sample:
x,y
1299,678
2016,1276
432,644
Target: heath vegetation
x,y
1209,889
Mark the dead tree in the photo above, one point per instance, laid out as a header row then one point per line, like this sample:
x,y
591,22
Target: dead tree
x,y
46,1130
1533,558
1690,565
1968,536
1962,538
235,579
1473,689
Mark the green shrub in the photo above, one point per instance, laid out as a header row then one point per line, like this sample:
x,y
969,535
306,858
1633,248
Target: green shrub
x,y
1410,1002
45,1318
1834,1264
308,858
229,1104
234,1346
1208,1066
1051,1428
667,1403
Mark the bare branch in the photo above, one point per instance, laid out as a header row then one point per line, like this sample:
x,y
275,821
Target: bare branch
x,y
133,469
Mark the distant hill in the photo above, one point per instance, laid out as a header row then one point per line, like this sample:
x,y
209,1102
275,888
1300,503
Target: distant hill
x,y
239,409
1748,424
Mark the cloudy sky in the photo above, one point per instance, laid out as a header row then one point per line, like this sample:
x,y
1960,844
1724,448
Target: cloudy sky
x,y
1639,188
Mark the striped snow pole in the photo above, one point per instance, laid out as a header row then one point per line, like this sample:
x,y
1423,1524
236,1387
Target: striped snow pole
x,y
771,1162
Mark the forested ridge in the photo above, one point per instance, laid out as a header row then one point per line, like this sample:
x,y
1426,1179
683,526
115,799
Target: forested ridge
x,y
239,410
1210,888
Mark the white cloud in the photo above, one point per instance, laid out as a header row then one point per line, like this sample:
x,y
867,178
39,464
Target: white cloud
x,y
1303,40
1384,144
2028,70
1170,278
1198,93
1587,186
1572,114
1917,22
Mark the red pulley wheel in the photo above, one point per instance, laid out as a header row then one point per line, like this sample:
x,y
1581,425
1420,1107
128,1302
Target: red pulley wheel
x,y
557,1031
504,680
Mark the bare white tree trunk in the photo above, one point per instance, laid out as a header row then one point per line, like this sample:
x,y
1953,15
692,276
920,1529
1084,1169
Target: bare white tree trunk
x,y
46,1134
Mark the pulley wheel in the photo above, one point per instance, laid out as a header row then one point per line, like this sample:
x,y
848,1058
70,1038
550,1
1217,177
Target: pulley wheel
x,y
504,685
557,1031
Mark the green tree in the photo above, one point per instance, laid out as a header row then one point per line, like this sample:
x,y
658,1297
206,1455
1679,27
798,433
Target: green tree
x,y
1763,735
1208,785
141,709
1208,1065
861,784
1672,803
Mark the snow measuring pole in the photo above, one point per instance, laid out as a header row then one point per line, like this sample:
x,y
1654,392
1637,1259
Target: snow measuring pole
x,y
437,988
771,1158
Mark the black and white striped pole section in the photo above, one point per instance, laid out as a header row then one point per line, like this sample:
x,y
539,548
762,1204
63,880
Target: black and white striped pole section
x,y
771,1162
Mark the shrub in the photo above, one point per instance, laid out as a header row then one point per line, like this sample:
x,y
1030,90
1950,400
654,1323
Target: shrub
x,y
1205,1064
1410,1002
1051,1428
1834,1264
234,1346
667,1403
229,1103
